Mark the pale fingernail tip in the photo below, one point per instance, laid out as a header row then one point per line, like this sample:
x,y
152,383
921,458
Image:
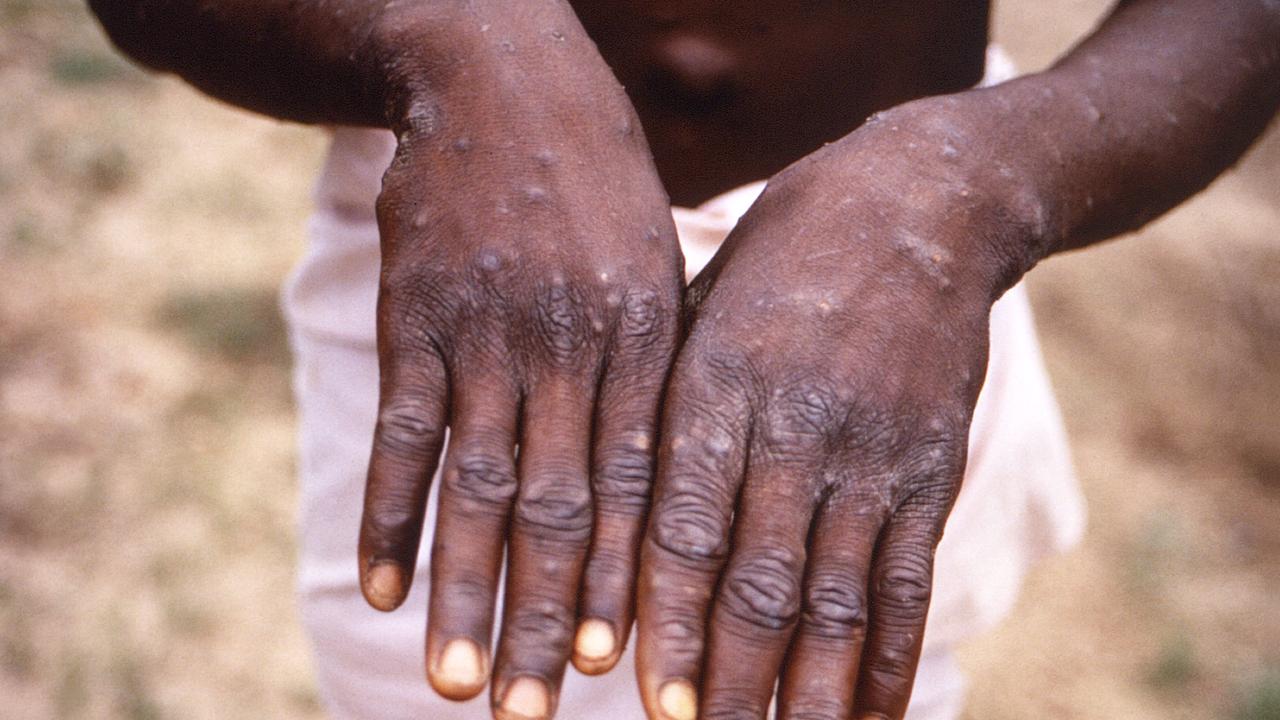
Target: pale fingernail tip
x,y
460,669
384,586
526,699
678,700
595,641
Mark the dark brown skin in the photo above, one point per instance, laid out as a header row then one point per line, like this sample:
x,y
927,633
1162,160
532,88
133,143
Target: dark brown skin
x,y
814,424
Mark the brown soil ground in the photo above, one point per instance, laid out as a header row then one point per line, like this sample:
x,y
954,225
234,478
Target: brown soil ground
x,y
146,430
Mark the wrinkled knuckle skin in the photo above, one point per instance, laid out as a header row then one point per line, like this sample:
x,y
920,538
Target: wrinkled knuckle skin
x,y
939,456
483,478
890,672
644,320
541,628
624,476
734,707
816,708
728,371
561,511
680,634
800,422
561,323
405,430
835,605
873,434
610,568
688,525
932,470
392,518
763,588
903,587
466,589
415,311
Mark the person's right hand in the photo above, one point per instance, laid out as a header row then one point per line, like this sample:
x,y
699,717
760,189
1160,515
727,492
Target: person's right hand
x,y
530,283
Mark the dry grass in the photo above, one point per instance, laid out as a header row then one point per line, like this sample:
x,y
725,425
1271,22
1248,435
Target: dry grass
x,y
146,473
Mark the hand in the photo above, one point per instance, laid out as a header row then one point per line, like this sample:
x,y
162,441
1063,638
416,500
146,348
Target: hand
x,y
815,427
530,282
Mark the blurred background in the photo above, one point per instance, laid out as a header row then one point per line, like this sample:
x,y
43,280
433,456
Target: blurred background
x,y
146,428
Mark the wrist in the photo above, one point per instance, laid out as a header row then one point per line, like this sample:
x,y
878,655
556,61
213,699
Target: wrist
x,y
432,62
951,160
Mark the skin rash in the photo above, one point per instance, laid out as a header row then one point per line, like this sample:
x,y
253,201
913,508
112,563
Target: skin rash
x,y
760,464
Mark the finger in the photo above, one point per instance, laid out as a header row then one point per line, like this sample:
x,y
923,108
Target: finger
x,y
821,669
621,478
759,599
549,536
477,488
406,447
700,466
901,582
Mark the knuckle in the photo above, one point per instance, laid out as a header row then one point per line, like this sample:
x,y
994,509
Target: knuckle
x,y
705,447
725,369
808,406
560,322
763,588
890,671
559,509
541,623
609,567
681,628
407,428
416,304
940,455
624,476
874,432
464,588
643,320
933,470
812,707
799,420
835,604
903,585
733,706
483,477
692,527
392,517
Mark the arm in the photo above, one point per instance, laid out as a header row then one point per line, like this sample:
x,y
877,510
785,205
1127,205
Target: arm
x,y
307,61
530,280
1140,116
816,423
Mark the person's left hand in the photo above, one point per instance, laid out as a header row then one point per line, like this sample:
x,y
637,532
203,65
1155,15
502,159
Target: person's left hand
x,y
816,424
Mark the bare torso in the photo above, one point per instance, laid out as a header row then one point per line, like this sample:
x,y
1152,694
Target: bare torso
x,y
733,92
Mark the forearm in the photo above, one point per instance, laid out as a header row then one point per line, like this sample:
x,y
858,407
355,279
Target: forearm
x,y
1140,116
1137,118
1152,108
359,62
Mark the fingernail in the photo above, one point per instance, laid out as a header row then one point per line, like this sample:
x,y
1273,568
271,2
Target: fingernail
x,y
526,699
384,586
678,700
460,669
595,640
